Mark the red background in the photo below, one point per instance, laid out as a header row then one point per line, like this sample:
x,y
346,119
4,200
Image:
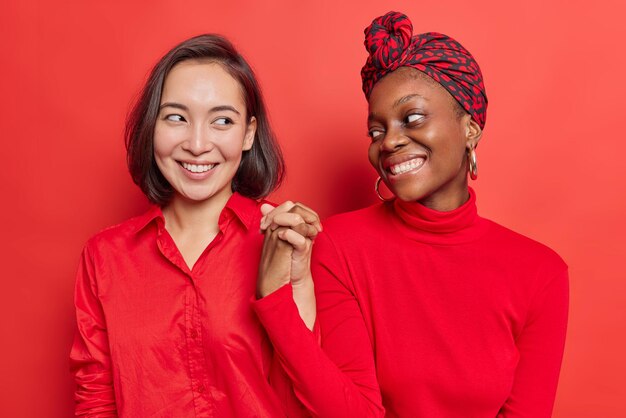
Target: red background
x,y
551,160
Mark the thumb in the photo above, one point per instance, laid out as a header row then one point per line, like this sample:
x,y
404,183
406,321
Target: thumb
x,y
266,208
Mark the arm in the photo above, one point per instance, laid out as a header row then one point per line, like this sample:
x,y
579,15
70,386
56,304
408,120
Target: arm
x,y
540,346
340,380
89,358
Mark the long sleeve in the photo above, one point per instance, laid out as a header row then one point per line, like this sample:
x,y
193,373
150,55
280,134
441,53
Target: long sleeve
x,y
540,347
459,315
337,379
89,358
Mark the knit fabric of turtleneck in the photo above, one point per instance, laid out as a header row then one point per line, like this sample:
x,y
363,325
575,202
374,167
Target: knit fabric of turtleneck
x,y
427,314
457,226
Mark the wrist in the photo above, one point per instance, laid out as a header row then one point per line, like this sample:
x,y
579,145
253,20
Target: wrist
x,y
303,284
268,287
304,298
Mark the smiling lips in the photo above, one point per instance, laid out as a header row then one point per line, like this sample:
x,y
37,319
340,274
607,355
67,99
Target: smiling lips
x,y
197,168
406,166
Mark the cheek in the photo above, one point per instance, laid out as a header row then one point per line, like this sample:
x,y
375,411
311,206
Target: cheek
x,y
373,155
231,145
160,153
451,148
163,142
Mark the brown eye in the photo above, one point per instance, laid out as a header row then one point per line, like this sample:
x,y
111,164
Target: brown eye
x,y
174,118
414,117
375,134
223,121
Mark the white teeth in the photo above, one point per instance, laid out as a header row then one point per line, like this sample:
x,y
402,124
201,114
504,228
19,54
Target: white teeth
x,y
406,166
196,168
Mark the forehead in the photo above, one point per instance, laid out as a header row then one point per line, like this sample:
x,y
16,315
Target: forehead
x,y
405,82
201,81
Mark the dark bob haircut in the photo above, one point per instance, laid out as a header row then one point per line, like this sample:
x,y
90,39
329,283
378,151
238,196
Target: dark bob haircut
x,y
262,167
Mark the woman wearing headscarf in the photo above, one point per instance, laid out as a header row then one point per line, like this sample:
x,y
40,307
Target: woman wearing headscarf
x,y
425,309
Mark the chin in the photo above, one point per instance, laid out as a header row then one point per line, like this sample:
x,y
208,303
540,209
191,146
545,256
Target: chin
x,y
198,196
409,194
409,197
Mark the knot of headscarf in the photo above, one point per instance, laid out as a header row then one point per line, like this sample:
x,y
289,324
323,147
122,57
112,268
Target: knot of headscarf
x,y
390,46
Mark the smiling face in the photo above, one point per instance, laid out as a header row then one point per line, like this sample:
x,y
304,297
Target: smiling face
x,y
420,139
201,130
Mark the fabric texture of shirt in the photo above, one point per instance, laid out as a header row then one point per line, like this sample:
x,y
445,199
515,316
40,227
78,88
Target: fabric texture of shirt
x,y
429,314
158,339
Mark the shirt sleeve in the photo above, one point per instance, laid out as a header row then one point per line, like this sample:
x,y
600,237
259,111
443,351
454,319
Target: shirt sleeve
x,y
90,361
283,388
338,378
540,347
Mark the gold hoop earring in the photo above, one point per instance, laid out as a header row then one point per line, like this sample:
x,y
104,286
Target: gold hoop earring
x,y
473,164
378,191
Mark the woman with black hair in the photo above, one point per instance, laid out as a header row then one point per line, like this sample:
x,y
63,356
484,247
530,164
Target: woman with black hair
x,y
163,300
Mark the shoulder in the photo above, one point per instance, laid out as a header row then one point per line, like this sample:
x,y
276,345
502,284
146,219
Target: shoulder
x,y
366,219
355,229
122,235
527,250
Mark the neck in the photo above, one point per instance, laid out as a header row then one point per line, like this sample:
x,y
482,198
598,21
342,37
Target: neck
x,y
422,223
182,214
448,198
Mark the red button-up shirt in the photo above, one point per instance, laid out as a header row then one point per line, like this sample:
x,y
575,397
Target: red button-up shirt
x,y
158,339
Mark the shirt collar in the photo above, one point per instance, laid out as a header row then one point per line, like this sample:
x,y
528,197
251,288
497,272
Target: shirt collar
x,y
243,208
154,213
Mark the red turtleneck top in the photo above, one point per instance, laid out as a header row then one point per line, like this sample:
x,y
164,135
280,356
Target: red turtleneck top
x,y
427,314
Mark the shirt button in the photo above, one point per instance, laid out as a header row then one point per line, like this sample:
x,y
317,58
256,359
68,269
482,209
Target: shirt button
x,y
194,333
201,388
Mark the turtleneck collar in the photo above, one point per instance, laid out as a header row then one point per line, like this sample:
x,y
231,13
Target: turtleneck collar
x,y
457,226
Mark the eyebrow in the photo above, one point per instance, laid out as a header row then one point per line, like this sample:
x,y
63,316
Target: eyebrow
x,y
213,109
405,99
225,107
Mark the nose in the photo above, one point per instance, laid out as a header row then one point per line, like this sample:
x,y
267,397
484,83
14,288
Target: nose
x,y
199,141
394,139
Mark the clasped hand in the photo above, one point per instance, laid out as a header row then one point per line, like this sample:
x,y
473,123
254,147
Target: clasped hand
x,y
286,257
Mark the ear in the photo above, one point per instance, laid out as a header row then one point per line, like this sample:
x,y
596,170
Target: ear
x,y
473,132
248,139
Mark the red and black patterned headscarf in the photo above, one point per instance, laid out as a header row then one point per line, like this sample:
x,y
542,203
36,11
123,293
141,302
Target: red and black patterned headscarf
x,y
391,45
